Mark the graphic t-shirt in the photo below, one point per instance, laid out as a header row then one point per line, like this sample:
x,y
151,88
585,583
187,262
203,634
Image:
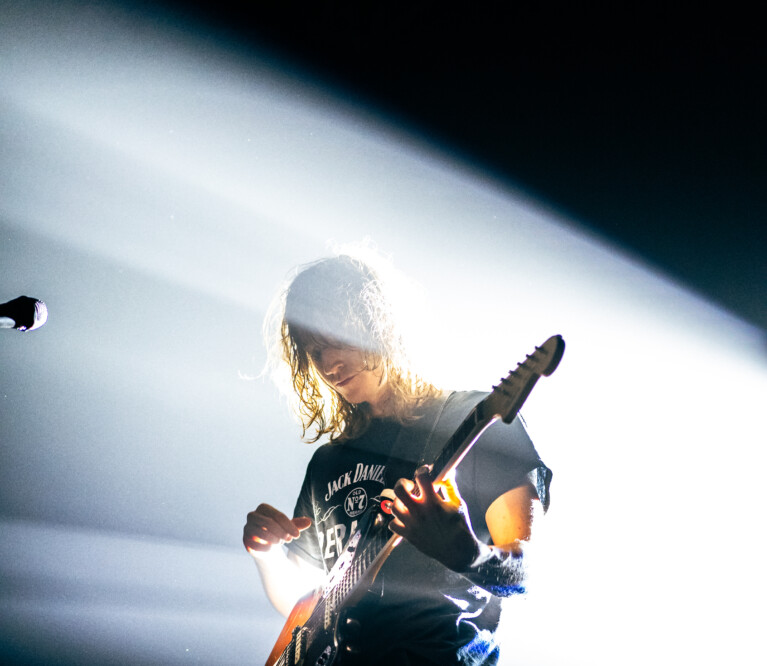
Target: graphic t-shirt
x,y
418,609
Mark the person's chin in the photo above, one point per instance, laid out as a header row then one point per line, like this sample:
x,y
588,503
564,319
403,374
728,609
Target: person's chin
x,y
351,398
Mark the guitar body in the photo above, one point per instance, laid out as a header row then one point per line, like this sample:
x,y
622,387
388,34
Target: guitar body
x,y
303,642
321,628
298,616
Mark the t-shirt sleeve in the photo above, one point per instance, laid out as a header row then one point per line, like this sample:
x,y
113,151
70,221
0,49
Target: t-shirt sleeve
x,y
502,459
307,545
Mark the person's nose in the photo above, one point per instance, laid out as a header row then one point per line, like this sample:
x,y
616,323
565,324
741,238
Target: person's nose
x,y
332,362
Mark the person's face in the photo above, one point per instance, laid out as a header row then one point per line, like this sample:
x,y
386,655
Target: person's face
x,y
344,369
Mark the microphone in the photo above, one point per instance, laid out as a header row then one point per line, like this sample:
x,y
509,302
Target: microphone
x,y
23,314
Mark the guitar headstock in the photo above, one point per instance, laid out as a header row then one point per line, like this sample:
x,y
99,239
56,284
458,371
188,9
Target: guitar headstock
x,y
508,396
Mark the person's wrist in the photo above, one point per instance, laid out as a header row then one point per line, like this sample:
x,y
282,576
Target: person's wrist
x,y
500,572
482,552
465,557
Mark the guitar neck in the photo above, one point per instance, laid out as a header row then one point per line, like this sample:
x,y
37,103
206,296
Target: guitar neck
x,y
459,444
517,387
380,544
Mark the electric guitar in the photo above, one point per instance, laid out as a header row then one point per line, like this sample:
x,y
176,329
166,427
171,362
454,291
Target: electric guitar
x,y
319,628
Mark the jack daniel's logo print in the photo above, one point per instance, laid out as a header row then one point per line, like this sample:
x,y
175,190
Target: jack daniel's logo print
x,y
332,539
359,473
356,502
320,517
335,527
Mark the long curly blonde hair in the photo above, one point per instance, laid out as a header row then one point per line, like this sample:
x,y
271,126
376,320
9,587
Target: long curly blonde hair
x,y
342,300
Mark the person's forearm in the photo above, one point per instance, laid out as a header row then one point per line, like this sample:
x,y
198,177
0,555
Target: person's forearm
x,y
284,581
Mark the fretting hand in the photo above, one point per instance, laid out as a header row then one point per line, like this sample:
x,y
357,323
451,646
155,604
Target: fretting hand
x,y
437,526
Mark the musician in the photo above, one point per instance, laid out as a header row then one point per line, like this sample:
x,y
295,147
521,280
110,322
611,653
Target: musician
x,y
437,598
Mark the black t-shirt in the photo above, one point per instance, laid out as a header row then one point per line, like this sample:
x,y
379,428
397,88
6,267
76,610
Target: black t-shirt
x,y
419,611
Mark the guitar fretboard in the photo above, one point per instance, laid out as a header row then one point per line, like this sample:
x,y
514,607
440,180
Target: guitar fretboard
x,y
461,439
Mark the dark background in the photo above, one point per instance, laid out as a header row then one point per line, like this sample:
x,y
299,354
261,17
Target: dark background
x,y
644,125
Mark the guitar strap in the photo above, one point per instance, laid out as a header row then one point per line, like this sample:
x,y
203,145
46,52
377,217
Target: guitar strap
x,y
418,439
